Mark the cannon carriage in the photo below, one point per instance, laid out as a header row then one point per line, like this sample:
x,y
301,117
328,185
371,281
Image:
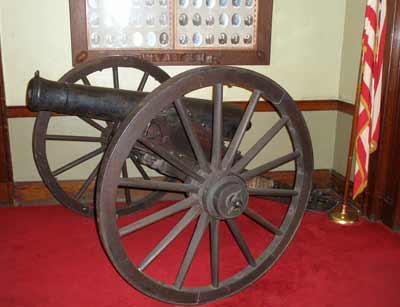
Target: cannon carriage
x,y
194,145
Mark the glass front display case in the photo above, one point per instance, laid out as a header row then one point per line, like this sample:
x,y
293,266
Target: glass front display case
x,y
173,32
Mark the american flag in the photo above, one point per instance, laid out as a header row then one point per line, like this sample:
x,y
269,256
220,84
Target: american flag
x,y
374,35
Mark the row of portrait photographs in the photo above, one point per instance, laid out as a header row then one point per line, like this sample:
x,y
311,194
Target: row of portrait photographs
x,y
150,39
223,20
182,3
213,3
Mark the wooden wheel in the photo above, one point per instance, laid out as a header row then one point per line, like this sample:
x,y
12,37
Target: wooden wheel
x,y
217,197
96,139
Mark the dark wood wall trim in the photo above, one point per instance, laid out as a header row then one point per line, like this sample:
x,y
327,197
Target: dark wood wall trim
x,y
19,111
6,175
304,105
345,107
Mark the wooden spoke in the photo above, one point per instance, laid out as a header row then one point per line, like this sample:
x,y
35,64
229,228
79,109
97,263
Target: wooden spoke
x,y
171,159
92,123
254,151
191,251
241,130
158,185
270,165
87,183
208,180
155,217
214,241
217,126
240,241
262,221
140,168
45,135
74,138
143,82
115,77
175,231
85,80
128,199
273,192
78,161
191,134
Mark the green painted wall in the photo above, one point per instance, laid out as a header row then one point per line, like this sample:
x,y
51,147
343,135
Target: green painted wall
x,y
348,78
306,59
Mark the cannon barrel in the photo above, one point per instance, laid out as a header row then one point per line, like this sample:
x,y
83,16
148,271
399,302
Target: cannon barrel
x,y
81,100
111,104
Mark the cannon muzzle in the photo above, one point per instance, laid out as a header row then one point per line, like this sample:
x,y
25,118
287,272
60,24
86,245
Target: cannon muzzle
x,y
81,100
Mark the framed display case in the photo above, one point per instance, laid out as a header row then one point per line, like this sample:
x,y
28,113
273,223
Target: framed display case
x,y
173,32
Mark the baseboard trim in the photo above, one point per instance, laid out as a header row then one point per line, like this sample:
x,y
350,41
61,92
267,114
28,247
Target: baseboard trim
x,y
338,182
26,193
6,193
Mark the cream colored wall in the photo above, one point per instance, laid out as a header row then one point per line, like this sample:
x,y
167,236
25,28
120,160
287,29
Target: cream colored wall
x,y
348,78
306,58
35,36
307,41
351,49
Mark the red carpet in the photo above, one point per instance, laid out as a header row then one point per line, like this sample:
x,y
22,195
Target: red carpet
x,y
53,257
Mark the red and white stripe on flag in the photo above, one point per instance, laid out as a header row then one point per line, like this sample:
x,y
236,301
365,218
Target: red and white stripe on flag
x,y
374,35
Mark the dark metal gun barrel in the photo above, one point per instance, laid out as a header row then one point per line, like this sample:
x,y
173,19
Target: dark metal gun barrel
x,y
86,101
111,104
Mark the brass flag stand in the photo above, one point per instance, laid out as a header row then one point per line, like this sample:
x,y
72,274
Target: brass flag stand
x,y
344,214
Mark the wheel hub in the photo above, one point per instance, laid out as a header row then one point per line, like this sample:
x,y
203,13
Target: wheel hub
x,y
225,197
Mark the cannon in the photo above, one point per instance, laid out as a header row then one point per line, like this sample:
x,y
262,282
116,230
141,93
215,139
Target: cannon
x,y
192,146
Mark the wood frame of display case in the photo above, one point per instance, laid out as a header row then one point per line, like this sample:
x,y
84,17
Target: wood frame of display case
x,y
260,55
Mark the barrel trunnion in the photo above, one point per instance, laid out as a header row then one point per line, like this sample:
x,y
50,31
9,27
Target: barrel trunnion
x,y
204,149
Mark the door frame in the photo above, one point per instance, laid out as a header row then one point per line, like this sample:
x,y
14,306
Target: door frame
x,y
6,170
382,202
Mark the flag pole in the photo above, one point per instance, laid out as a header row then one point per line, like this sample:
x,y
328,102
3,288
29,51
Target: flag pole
x,y
344,214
